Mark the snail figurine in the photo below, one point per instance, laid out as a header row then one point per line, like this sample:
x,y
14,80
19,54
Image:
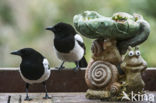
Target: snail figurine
x,y
106,50
102,74
133,65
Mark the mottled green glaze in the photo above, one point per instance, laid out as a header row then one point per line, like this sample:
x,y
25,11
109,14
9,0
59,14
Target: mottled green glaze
x,y
93,25
133,65
128,30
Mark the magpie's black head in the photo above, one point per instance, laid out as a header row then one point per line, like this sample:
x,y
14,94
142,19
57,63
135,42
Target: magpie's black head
x,y
62,29
26,53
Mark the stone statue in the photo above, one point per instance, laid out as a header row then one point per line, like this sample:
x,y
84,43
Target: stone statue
x,y
110,73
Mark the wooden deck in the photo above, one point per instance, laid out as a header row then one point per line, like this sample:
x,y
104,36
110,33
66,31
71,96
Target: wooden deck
x,y
66,86
56,98
37,98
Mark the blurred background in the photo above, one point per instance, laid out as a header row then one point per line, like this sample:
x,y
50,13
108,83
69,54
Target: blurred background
x,y
22,24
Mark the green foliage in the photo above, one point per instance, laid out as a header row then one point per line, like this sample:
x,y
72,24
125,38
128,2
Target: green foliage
x,y
6,12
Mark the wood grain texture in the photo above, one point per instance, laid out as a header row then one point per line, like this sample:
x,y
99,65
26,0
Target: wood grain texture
x,y
60,81
56,98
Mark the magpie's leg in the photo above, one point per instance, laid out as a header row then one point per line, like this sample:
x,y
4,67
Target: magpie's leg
x,y
61,66
27,96
77,66
46,94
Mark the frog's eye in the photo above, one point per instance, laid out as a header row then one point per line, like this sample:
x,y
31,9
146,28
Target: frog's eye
x,y
131,53
137,53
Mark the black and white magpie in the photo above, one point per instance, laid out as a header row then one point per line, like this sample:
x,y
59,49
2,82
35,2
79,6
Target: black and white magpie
x,y
34,68
68,45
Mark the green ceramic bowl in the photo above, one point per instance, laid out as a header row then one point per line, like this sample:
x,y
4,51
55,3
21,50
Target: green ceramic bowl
x,y
128,30
93,25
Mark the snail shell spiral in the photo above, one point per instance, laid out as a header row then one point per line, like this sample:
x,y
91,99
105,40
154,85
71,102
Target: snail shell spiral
x,y
115,88
100,74
96,48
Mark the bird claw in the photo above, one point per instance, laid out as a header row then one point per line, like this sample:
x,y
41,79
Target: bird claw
x,y
76,69
46,97
27,99
60,68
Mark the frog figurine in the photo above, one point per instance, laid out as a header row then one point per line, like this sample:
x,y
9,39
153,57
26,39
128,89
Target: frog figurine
x,y
133,65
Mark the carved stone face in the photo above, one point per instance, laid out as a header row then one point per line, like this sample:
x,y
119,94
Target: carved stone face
x,y
134,59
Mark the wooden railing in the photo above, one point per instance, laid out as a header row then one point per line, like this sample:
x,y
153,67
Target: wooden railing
x,y
60,81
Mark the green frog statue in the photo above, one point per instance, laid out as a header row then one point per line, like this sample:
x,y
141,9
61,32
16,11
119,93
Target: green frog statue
x,y
133,65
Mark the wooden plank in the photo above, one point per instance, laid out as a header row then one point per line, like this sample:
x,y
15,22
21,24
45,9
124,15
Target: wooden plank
x,y
149,77
60,81
56,98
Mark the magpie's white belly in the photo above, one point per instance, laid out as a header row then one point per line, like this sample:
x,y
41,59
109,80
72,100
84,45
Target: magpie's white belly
x,y
43,78
75,54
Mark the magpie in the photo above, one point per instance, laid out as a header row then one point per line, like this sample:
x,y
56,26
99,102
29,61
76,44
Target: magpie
x,y
34,68
68,45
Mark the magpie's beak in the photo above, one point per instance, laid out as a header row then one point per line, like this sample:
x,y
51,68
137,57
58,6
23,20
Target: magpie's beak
x,y
16,53
49,28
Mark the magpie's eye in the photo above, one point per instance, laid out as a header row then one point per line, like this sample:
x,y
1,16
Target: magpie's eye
x,y
25,53
137,53
131,53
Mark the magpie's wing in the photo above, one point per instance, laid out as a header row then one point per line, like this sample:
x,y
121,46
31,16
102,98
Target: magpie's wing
x,y
81,44
82,62
46,64
79,39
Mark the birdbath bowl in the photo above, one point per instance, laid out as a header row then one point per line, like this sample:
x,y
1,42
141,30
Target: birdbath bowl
x,y
130,30
120,26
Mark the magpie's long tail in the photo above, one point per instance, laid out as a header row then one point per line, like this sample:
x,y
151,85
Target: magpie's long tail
x,y
83,63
